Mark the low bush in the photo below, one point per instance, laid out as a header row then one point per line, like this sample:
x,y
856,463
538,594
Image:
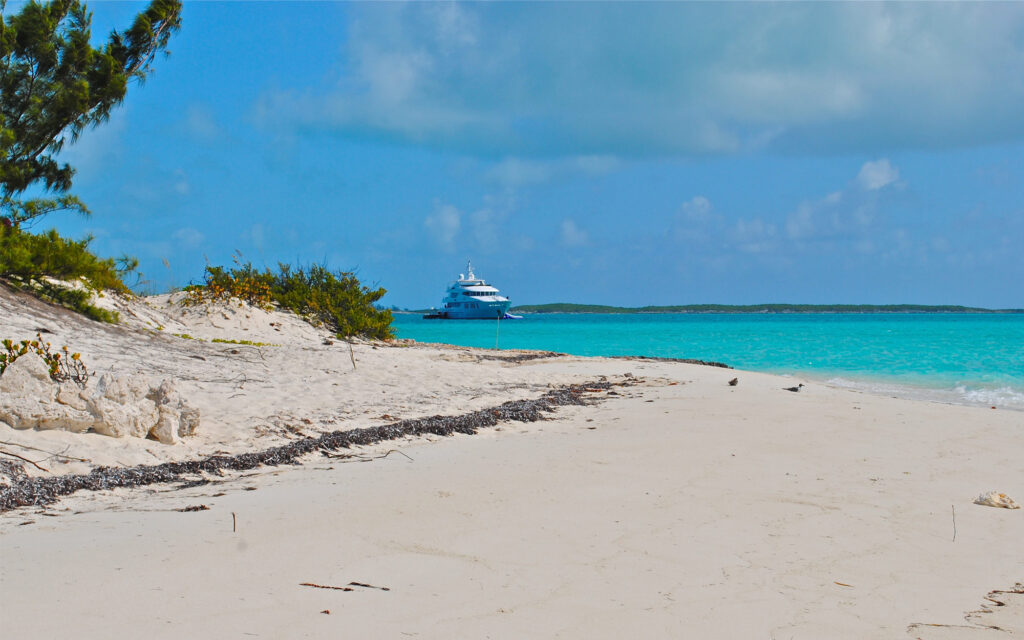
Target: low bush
x,y
30,261
243,283
335,299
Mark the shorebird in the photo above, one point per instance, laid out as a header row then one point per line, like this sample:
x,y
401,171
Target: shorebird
x,y
795,389
734,382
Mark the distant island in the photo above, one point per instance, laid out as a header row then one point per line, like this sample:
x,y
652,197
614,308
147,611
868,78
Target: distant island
x,y
565,307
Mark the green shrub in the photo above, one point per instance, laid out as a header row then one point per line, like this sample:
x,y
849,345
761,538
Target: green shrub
x,y
27,259
335,299
242,283
27,255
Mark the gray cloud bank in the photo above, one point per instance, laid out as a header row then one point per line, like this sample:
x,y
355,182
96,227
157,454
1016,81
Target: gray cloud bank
x,y
556,79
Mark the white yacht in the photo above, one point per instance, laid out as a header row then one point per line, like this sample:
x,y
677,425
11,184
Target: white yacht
x,y
470,298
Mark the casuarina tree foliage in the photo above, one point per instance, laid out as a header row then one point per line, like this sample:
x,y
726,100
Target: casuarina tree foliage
x,y
54,84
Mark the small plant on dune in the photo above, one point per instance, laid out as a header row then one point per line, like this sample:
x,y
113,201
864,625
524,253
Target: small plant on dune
x,y
64,366
248,343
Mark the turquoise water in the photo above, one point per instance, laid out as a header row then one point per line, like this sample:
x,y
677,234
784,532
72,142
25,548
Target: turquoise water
x,y
969,358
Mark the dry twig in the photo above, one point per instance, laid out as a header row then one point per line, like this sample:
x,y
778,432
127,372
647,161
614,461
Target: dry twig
x,y
31,462
324,586
52,454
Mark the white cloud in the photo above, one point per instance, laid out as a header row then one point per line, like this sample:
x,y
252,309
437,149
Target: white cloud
x,y
444,224
800,222
97,149
514,172
200,123
754,236
181,185
696,222
847,210
875,175
595,164
255,235
572,234
697,209
188,237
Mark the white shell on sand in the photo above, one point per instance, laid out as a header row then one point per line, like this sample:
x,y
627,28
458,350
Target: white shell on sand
x,y
996,499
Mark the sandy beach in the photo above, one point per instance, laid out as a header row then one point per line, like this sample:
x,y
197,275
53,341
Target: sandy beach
x,y
671,505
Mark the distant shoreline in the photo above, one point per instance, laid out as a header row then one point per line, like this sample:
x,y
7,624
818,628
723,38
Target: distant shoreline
x,y
562,307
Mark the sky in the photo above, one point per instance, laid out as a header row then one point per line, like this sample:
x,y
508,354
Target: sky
x,y
609,153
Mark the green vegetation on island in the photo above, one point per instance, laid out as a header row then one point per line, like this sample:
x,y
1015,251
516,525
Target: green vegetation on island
x,y
565,307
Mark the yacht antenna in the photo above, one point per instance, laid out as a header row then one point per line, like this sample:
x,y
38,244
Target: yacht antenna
x,y
469,270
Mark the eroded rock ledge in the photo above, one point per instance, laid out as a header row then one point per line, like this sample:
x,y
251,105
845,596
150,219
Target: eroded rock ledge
x,y
117,406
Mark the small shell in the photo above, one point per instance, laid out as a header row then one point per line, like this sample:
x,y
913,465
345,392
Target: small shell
x,y
996,499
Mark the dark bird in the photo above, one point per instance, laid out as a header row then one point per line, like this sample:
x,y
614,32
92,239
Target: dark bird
x,y
796,388
734,382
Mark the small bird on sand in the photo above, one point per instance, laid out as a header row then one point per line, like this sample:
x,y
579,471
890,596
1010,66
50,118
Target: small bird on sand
x,y
734,382
796,388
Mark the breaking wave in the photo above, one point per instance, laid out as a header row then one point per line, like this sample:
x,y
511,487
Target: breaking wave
x,y
1003,397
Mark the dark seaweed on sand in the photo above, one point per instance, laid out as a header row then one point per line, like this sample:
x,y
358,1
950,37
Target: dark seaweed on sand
x,y
706,363
27,491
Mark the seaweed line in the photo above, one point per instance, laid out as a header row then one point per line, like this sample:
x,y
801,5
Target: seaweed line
x,y
36,491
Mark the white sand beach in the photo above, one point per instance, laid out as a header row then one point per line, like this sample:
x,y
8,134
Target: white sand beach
x,y
672,506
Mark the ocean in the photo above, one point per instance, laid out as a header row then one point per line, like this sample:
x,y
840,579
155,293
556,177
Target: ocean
x,y
975,359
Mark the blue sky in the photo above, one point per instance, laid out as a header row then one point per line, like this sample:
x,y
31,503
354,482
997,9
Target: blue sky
x,y
606,153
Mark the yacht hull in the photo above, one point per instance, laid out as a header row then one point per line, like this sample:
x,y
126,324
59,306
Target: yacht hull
x,y
486,311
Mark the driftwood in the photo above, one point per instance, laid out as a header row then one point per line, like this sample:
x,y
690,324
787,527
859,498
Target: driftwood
x,y
41,491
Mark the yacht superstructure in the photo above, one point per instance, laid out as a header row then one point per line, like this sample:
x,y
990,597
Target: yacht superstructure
x,y
470,298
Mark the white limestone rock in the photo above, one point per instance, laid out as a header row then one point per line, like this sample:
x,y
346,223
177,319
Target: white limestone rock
x,y
176,419
122,408
27,394
26,375
118,406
